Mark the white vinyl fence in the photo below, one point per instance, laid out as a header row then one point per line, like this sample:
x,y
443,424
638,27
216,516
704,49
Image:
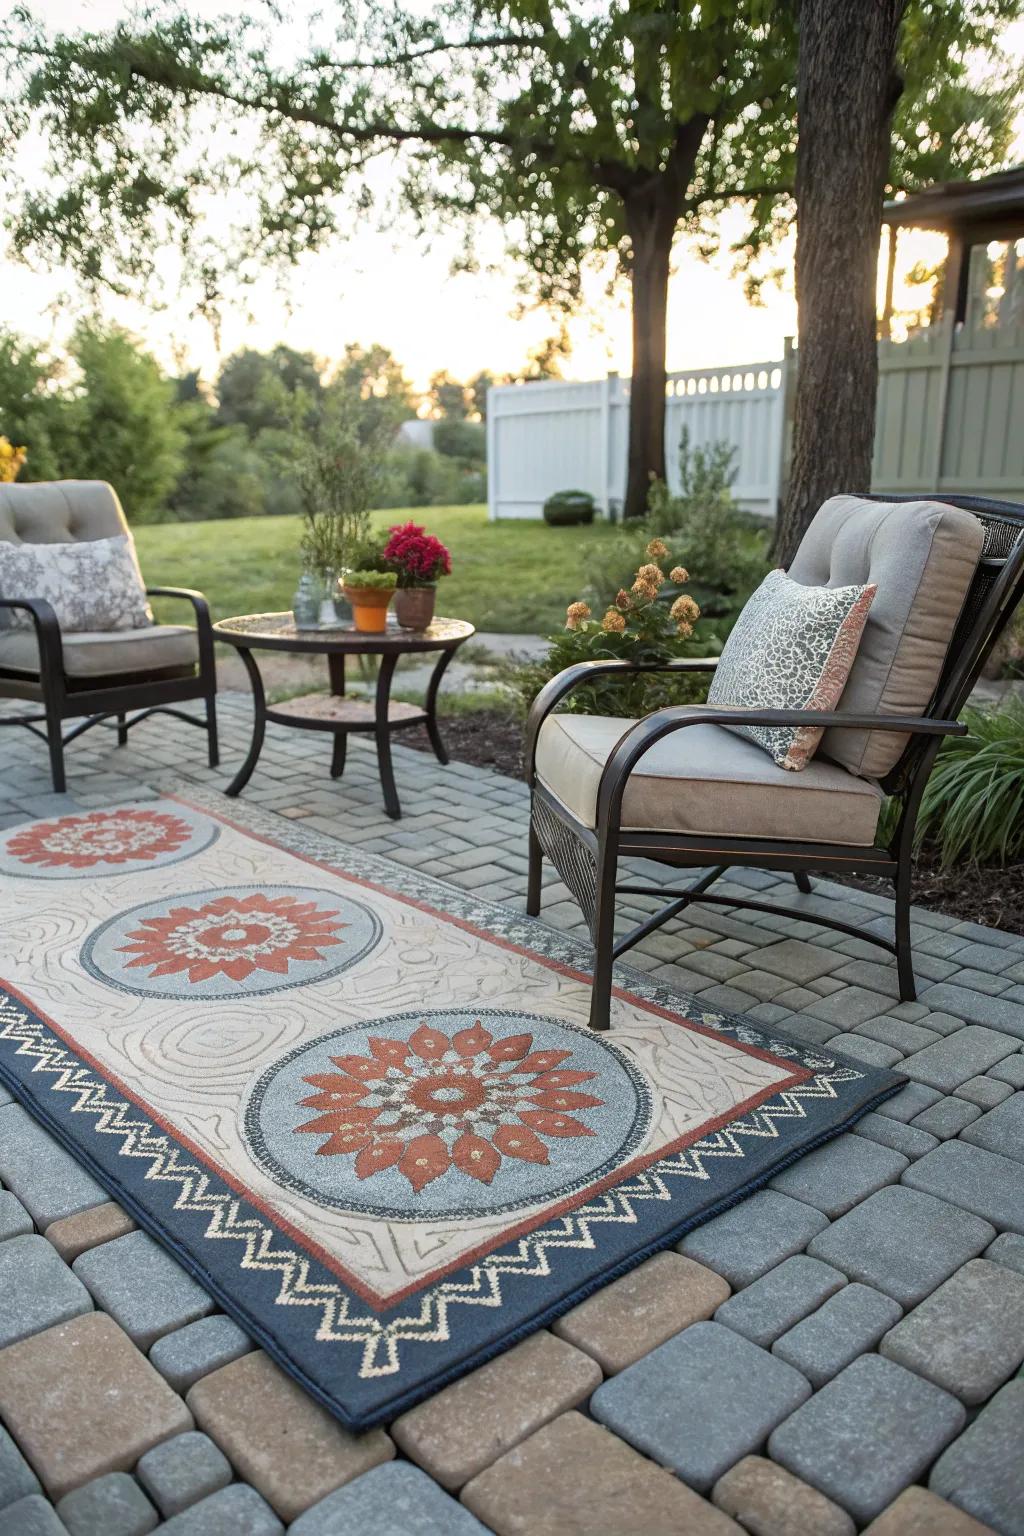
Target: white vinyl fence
x,y
950,418
556,436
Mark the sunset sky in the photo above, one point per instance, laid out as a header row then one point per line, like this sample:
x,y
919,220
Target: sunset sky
x,y
380,286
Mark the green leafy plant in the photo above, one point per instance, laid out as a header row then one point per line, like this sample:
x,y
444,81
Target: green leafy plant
x,y
385,580
637,627
567,508
973,805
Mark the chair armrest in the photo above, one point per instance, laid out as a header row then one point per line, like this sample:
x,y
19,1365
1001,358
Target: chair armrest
x,y
47,628
642,736
559,687
204,624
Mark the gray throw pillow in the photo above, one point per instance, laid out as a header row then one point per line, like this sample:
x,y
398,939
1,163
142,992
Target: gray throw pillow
x,y
92,584
792,647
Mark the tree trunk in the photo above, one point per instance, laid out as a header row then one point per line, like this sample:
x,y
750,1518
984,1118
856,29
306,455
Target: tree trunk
x,y
847,88
651,222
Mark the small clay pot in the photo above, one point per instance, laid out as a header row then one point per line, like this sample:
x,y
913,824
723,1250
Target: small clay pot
x,y
370,607
414,606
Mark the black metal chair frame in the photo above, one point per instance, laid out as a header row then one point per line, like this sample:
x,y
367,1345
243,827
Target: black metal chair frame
x,y
587,859
151,693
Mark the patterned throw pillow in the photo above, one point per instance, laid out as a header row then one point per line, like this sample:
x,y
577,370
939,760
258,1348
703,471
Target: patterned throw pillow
x,y
792,648
93,584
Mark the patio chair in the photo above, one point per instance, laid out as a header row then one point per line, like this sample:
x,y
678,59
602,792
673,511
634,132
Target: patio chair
x,y
680,789
100,674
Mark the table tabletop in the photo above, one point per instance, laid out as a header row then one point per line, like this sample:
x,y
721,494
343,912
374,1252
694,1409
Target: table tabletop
x,y
278,632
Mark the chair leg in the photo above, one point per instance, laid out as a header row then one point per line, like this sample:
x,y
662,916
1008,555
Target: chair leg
x,y
803,884
55,743
604,938
212,741
536,862
122,731
904,950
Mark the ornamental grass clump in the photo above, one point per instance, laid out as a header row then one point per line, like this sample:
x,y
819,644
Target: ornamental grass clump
x,y
973,805
637,626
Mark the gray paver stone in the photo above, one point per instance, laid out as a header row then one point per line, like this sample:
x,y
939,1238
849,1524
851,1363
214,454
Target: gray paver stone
x,y
947,1118
836,1176
37,1289
951,1061
113,1505
189,1353
981,1472
1010,1070
995,1013
753,1236
906,1037
968,1336
17,1480
32,1516
863,1048
1001,1129
984,1182
230,1512
986,1092
909,1102
142,1287
849,1324
15,1221
393,1500
700,1402
780,1298
1008,1249
903,1242
181,1471
45,1178
867,1434
894,1133
850,1006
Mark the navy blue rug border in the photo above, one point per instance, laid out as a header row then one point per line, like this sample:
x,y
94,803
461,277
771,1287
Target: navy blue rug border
x,y
247,1296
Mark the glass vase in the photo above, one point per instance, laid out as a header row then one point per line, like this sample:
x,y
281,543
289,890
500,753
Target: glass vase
x,y
306,602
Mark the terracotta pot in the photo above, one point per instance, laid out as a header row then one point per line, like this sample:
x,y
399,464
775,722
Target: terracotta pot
x,y
414,606
370,607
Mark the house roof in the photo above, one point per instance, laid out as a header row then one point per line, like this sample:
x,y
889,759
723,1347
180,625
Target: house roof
x,y
996,200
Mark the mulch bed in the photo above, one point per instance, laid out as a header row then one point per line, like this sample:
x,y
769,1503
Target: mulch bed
x,y
988,894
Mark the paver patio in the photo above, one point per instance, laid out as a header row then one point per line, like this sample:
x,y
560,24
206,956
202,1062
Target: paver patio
x,y
816,1359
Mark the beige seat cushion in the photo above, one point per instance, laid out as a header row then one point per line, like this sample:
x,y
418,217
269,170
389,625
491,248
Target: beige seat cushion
x,y
705,779
922,556
111,653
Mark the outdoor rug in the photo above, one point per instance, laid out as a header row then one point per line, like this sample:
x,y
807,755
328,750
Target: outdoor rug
x,y
362,1107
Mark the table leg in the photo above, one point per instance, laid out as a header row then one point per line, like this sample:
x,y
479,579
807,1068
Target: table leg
x,y
440,750
382,735
259,725
336,672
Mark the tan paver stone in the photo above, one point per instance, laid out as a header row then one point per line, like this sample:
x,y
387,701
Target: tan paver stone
x,y
72,1235
634,1315
278,1438
81,1400
769,1501
470,1424
917,1512
574,1478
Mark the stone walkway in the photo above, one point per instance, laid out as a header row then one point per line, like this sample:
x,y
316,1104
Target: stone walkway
x,y
841,1351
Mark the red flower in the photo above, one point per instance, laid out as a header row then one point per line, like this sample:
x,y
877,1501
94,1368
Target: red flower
x,y
100,837
233,936
434,1102
417,554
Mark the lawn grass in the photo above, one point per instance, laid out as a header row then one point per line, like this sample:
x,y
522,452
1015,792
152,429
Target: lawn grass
x,y
507,577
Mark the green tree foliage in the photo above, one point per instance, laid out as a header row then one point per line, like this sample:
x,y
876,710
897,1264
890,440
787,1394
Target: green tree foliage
x,y
30,407
587,131
257,390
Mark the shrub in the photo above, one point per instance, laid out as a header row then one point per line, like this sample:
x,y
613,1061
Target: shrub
x,y
567,508
973,805
637,627
465,440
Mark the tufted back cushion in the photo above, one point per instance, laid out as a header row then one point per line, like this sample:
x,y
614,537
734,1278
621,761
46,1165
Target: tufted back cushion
x,y
60,512
922,557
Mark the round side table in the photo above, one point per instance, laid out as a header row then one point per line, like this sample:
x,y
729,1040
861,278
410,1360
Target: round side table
x,y
334,712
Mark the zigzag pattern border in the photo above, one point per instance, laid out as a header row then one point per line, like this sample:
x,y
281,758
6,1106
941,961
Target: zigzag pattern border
x,y
431,1321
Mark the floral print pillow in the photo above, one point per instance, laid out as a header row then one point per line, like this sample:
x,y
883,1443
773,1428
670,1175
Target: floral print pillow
x,y
792,647
93,584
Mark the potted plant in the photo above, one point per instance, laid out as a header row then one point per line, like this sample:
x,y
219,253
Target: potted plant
x,y
337,467
419,560
369,585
